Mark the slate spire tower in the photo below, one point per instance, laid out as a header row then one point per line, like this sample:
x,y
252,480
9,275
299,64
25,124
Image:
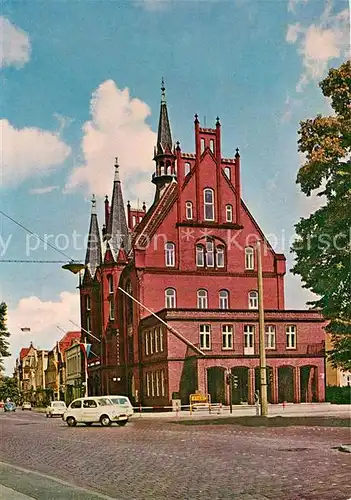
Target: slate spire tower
x,y
164,156
93,253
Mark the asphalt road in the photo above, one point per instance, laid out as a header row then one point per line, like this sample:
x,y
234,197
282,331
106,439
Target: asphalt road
x,y
158,459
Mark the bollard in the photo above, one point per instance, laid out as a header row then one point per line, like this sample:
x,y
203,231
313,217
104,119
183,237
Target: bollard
x,y
219,409
140,410
284,404
177,410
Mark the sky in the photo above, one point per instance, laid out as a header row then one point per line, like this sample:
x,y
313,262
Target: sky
x,y
81,85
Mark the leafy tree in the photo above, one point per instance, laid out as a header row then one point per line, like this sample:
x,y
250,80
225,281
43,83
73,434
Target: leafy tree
x,y
9,390
322,248
4,335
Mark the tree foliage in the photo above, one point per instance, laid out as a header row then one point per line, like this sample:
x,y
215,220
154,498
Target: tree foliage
x,y
4,335
9,390
322,247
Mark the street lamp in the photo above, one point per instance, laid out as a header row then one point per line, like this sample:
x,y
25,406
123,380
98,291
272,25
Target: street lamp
x,y
262,349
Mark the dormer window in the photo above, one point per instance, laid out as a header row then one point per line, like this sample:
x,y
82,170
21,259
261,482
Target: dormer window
x,y
187,168
208,204
229,213
110,284
212,145
189,210
202,142
170,254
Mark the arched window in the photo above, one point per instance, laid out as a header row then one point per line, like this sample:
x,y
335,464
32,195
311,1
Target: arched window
x,y
200,255
249,258
227,172
170,298
187,168
202,300
220,256
210,253
253,300
212,145
170,254
189,210
229,213
202,145
224,299
110,283
208,204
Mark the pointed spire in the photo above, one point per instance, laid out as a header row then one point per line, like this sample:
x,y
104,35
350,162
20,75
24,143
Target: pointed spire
x,y
117,230
164,136
93,254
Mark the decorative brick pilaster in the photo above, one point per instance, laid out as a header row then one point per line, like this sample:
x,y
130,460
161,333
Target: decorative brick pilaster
x,y
297,398
251,387
275,385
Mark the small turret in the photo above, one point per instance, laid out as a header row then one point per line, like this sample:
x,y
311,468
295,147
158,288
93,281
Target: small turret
x,y
93,254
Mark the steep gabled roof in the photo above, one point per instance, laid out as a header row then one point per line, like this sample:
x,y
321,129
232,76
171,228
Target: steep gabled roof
x,y
93,254
164,136
67,340
24,351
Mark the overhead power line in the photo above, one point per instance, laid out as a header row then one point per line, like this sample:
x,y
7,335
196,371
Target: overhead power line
x,y
34,261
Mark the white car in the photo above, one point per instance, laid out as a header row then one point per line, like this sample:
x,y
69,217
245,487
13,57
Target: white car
x,y
56,409
90,410
26,406
124,403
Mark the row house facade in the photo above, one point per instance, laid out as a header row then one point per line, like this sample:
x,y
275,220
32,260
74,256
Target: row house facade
x,y
191,258
30,368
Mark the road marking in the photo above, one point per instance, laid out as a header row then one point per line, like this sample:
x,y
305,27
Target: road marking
x,y
56,480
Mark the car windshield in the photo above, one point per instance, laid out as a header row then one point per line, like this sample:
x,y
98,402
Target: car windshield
x,y
104,402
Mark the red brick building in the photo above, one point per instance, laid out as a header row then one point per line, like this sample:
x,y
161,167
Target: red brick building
x,y
191,258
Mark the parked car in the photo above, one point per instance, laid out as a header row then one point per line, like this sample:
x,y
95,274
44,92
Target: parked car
x,y
90,410
56,409
26,406
124,402
9,406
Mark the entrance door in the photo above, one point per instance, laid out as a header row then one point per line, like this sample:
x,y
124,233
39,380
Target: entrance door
x,y
285,384
240,394
215,384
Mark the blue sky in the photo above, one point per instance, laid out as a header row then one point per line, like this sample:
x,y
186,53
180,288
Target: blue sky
x,y
81,84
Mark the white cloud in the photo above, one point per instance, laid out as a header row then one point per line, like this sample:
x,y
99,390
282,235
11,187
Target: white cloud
x,y
117,128
319,44
14,45
42,317
28,152
43,190
293,3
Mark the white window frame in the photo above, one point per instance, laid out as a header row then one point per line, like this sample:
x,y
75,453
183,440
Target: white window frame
x,y
151,338
202,145
202,299
209,205
170,298
249,259
187,168
212,145
270,337
110,284
249,339
189,210
157,392
229,213
253,299
290,332
200,256
87,303
170,254
156,339
227,337
205,337
210,253
148,384
161,338
220,256
163,383
223,299
111,313
146,336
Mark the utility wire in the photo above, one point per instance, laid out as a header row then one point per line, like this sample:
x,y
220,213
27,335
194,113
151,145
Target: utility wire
x,y
34,234
34,261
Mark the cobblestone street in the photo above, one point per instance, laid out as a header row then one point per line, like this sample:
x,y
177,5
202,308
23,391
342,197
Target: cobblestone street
x,y
158,459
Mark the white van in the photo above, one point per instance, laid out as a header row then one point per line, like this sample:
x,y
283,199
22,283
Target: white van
x,y
90,410
123,402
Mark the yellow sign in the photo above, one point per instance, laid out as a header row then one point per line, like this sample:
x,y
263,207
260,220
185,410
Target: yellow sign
x,y
199,398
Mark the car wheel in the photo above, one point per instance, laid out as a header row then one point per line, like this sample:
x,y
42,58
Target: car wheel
x,y
105,421
121,423
71,422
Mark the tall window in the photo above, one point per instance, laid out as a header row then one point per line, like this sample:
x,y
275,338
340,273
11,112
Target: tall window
x,y
161,338
212,145
87,303
112,309
202,300
220,256
291,337
152,384
157,382
146,343
208,204
227,172
156,339
229,213
249,331
170,298
253,300
148,384
88,324
249,258
270,337
151,339
110,284
200,255
162,382
170,254
224,299
187,168
209,253
205,337
189,210
202,144
227,337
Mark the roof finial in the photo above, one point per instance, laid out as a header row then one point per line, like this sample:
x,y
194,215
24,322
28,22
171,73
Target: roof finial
x,y
237,154
116,169
93,204
163,91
